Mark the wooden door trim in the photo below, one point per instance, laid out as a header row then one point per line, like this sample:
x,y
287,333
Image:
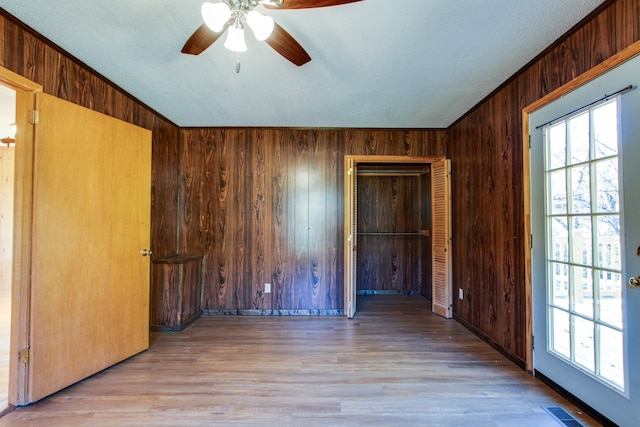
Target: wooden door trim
x,y
21,278
621,57
394,159
348,283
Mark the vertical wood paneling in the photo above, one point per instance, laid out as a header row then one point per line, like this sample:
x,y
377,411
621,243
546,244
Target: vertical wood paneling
x,y
486,149
224,250
256,195
331,239
164,195
278,206
237,225
280,265
390,204
319,256
299,292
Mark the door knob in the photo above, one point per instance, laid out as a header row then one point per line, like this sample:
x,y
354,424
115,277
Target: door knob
x,y
634,282
146,252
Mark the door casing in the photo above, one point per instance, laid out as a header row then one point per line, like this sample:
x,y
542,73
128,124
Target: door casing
x,y
350,217
26,91
600,69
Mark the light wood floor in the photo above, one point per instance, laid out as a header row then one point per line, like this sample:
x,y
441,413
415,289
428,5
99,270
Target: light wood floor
x,y
395,364
5,333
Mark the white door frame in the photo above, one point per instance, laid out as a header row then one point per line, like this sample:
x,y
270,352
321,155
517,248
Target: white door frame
x,y
600,69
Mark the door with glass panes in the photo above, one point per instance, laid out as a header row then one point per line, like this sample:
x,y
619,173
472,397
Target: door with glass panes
x,y
585,193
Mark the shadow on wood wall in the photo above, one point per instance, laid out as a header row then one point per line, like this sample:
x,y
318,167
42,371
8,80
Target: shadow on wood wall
x,y
266,206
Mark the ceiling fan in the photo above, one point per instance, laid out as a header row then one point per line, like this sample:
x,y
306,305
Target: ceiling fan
x,y
233,15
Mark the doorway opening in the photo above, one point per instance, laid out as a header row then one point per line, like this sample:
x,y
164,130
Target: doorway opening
x,y
390,246
394,223
7,162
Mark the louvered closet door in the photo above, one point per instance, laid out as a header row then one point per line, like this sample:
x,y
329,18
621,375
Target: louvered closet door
x,y
441,237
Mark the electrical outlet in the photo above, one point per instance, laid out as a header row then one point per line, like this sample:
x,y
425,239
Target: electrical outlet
x,y
460,293
267,288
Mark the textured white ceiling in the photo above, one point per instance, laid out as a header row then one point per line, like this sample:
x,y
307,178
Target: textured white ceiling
x,y
375,63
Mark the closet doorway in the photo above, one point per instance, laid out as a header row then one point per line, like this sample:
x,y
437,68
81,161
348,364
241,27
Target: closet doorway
x,y
397,229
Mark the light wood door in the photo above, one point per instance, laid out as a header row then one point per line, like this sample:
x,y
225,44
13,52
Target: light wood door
x,y
441,237
91,219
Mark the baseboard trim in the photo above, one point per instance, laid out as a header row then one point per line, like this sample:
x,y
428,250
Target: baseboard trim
x,y
6,410
486,338
575,400
387,292
273,312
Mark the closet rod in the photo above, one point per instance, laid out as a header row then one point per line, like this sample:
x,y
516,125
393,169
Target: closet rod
x,y
419,233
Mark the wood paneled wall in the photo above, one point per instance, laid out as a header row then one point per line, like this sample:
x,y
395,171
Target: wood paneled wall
x,y
486,151
391,204
28,54
266,206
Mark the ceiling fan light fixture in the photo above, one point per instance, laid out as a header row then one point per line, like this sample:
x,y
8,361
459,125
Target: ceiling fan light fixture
x,y
215,15
261,25
235,39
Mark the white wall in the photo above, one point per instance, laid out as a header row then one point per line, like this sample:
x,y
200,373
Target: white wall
x,y
7,156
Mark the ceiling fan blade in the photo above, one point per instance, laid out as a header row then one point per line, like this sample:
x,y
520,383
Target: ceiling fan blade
x,y
308,4
283,43
201,39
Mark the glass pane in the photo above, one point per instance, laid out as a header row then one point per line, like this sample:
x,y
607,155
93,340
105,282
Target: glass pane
x,y
579,139
580,189
558,192
559,239
582,290
605,128
608,238
607,185
610,300
559,293
581,241
557,146
584,343
611,356
560,341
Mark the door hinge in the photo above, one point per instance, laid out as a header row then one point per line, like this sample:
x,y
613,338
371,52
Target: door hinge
x,y
35,117
533,345
530,241
25,355
529,142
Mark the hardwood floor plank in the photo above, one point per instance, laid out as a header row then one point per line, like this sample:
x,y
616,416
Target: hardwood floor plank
x,y
394,364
